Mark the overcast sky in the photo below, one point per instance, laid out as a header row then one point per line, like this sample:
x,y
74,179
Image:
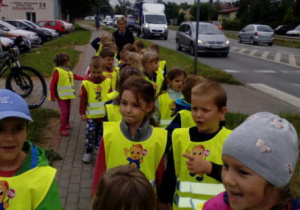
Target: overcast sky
x,y
113,2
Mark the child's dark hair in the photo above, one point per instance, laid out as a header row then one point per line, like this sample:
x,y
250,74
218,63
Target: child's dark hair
x,y
188,84
139,44
60,59
124,187
106,52
212,89
129,47
96,62
127,73
172,74
144,89
154,47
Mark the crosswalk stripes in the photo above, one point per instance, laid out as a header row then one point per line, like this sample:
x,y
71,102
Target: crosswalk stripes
x,y
295,101
271,56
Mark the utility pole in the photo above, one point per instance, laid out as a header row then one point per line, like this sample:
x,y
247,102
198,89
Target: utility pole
x,y
197,32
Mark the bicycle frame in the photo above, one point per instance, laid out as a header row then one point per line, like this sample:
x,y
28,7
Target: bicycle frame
x,y
9,61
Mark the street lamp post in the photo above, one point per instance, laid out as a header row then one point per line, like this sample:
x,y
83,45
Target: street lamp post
x,y
197,32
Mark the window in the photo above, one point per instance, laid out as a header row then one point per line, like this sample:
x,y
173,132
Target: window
x,y
31,16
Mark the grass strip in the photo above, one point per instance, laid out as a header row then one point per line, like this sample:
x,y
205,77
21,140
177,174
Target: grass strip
x,y
42,58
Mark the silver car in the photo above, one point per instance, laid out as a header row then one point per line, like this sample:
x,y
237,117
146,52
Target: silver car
x,y
210,38
256,33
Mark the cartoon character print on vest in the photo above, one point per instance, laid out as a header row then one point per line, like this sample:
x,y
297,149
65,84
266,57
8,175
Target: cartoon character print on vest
x,y
172,106
137,153
198,151
98,91
5,191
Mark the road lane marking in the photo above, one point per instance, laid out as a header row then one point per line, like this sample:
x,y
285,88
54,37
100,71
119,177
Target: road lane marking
x,y
292,60
231,71
295,101
265,71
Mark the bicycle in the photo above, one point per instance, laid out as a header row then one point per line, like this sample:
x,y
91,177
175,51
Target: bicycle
x,y
23,80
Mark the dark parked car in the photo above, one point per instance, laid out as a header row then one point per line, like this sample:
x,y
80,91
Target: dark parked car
x,y
210,39
282,29
44,35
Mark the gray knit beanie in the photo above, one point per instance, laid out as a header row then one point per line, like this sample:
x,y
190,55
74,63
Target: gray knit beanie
x,y
268,145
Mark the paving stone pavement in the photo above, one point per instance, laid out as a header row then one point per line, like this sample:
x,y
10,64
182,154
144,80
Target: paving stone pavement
x,y
73,176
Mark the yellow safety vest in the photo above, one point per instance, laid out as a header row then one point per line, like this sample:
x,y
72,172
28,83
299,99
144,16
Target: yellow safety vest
x,y
193,189
161,66
112,95
159,80
27,190
186,119
166,104
145,155
114,78
113,113
99,49
65,85
97,96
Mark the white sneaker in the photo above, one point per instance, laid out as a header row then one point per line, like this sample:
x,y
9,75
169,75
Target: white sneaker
x,y
87,157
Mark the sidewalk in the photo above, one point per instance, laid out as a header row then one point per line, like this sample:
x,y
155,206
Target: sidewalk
x,y
74,177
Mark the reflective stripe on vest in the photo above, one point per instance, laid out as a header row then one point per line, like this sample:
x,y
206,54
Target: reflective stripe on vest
x,y
193,187
201,188
97,95
190,203
145,155
65,84
30,188
164,123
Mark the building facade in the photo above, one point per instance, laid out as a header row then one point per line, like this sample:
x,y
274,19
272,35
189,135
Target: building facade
x,y
33,10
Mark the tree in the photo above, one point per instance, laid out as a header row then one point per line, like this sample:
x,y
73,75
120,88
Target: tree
x,y
172,10
204,11
289,16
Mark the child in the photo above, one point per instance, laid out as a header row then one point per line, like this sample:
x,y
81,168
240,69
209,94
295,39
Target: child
x,y
107,56
169,92
134,59
133,141
26,179
98,42
202,142
182,110
138,45
129,47
124,187
150,66
113,109
259,158
62,89
94,90
162,64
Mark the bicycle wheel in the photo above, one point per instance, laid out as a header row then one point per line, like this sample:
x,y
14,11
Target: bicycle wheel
x,y
28,83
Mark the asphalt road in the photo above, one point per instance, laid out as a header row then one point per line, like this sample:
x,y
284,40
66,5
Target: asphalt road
x,y
265,68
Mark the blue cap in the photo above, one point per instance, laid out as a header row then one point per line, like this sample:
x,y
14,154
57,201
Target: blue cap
x,y
13,105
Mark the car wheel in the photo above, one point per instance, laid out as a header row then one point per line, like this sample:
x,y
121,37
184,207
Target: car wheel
x,y
165,37
270,44
240,39
59,34
178,47
252,41
192,49
145,35
138,33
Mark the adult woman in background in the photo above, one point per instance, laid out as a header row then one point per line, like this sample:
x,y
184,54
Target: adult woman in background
x,y
122,36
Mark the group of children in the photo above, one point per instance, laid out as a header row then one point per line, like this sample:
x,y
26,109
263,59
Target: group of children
x,y
158,134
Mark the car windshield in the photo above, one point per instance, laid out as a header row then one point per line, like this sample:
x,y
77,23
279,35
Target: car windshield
x,y
130,20
207,29
264,28
9,26
157,19
32,24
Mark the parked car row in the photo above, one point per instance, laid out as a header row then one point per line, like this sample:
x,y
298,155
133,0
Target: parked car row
x,y
33,33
